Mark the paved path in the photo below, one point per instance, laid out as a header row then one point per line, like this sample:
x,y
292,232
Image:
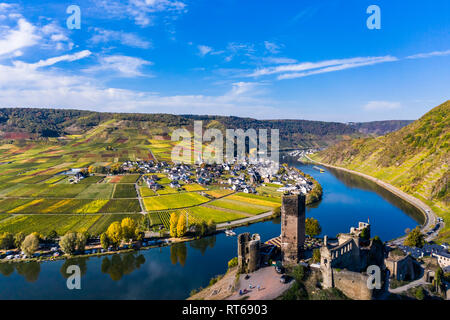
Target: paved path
x,y
410,285
269,282
141,203
430,216
245,220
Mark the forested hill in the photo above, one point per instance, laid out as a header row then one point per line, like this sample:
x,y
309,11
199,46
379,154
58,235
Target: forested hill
x,y
415,158
25,123
29,123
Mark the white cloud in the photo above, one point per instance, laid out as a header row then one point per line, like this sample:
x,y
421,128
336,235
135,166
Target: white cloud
x,y
204,50
23,36
304,69
429,54
122,65
381,105
279,60
272,47
66,57
125,38
141,11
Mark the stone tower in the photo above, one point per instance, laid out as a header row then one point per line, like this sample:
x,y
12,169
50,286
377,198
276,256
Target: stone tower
x,y
248,252
292,227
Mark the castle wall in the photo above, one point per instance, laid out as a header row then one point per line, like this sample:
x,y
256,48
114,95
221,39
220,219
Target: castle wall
x,y
352,284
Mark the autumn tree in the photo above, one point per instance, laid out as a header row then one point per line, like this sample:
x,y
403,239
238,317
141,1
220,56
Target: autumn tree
x,y
312,227
30,244
128,229
181,226
104,241
68,243
6,241
18,239
415,238
173,224
114,233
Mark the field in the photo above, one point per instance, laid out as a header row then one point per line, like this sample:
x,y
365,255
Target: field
x,y
125,191
43,224
174,201
35,193
217,215
97,191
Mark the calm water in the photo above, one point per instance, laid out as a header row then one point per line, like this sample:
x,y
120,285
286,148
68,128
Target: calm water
x,y
172,272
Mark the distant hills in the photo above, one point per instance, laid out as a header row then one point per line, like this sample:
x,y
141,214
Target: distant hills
x,y
30,123
415,158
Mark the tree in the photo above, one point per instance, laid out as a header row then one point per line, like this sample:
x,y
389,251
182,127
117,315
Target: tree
x,y
69,243
211,226
415,238
18,239
181,226
6,241
114,234
81,241
128,229
30,244
233,263
52,235
173,224
365,234
312,227
104,241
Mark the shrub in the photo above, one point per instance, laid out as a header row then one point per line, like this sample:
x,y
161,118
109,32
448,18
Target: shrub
x,y
233,263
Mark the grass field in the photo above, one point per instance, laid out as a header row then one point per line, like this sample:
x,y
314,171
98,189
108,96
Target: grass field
x,y
146,192
125,191
203,213
121,206
219,193
167,190
193,187
132,178
43,224
235,205
174,201
97,191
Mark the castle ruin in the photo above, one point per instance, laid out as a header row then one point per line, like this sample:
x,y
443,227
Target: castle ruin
x,y
248,252
292,228
343,264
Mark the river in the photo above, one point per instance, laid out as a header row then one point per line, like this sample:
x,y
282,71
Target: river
x,y
172,272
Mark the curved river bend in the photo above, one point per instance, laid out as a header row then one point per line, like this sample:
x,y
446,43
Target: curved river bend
x,y
172,272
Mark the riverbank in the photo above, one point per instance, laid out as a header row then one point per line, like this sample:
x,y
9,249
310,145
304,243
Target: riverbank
x,y
430,216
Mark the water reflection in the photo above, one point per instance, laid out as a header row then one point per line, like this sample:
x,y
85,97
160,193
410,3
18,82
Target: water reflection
x,y
30,270
355,181
203,244
178,253
80,262
117,266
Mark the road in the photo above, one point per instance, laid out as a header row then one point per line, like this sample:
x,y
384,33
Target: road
x,y
430,216
244,220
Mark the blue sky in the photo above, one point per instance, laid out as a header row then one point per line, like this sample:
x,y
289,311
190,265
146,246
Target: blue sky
x,y
307,59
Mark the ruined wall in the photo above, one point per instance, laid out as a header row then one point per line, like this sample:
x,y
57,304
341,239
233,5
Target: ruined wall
x,y
292,227
401,269
352,284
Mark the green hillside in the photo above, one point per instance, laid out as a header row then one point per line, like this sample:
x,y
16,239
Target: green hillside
x,y
414,158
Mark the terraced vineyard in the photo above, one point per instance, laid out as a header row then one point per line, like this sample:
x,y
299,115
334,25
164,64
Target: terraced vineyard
x,y
36,193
